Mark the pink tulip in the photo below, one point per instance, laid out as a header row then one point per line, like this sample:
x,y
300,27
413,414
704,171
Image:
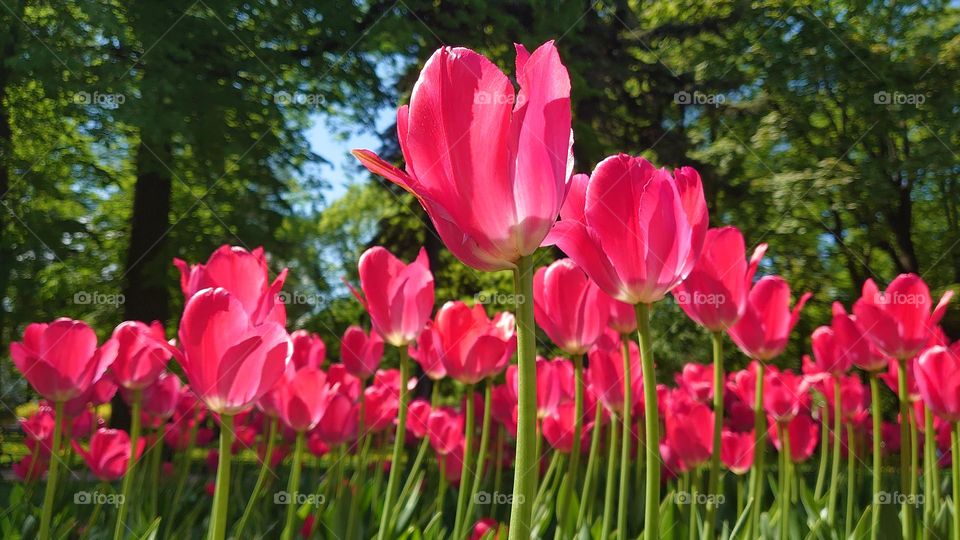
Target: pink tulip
x,y
503,406
899,320
623,317
605,373
743,384
381,406
361,353
308,350
736,451
304,399
30,468
339,422
445,430
61,359
785,394
854,396
764,329
714,295
892,379
398,296
689,429
804,436
697,381
487,164
160,398
569,307
558,428
347,384
851,343
418,418
451,463
635,230
428,352
555,383
938,378
474,346
109,453
485,529
142,354
245,275
229,359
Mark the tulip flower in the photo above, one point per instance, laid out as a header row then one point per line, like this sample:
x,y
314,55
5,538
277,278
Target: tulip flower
x,y
245,275
558,428
428,352
360,353
485,529
339,422
697,381
623,317
736,451
142,354
570,308
555,383
474,346
347,384
803,433
938,379
419,417
61,361
785,394
160,398
109,453
30,468
398,296
606,374
381,406
308,350
685,421
504,406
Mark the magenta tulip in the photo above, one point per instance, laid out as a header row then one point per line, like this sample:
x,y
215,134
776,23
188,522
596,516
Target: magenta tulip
x,y
764,329
428,352
736,450
304,399
160,398
570,308
308,350
361,353
339,422
785,394
474,346
938,378
109,453
605,373
142,354
398,296
689,429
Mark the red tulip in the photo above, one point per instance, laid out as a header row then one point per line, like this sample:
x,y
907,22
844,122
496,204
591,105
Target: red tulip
x,y
487,164
689,429
474,346
555,383
785,394
899,320
381,405
109,453
229,359
736,450
635,230
764,329
743,384
142,354
852,345
398,296
623,317
160,398
428,352
503,406
361,354
804,436
605,373
308,350
61,359
304,399
418,418
697,381
485,529
345,383
938,378
245,275
39,426
30,468
714,295
558,428
339,422
445,430
569,307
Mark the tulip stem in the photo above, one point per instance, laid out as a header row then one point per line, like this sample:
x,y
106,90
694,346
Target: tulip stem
x,y
182,473
156,451
906,480
421,455
464,488
760,436
851,480
785,487
835,466
592,465
261,478
824,448
218,517
955,469
626,438
481,459
364,441
573,471
51,489
398,440
293,487
914,459
877,458
611,471
714,483
526,465
498,468
118,531
930,436
652,500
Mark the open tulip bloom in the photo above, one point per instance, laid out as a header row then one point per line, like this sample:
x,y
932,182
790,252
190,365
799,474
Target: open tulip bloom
x,y
480,437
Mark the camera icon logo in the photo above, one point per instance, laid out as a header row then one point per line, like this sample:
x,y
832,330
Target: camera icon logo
x,y
281,497
82,497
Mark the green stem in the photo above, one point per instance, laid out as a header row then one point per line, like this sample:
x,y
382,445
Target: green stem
x,y
931,442
88,529
914,460
877,457
183,471
498,469
363,441
481,458
293,488
573,471
421,455
592,465
626,438
463,491
118,531
835,466
906,474
696,478
824,448
398,441
955,469
221,494
851,480
611,472
760,436
714,483
652,500
526,466
156,452
785,488
51,489
261,478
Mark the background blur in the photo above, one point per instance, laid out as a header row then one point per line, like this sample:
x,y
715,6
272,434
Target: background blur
x,y
134,132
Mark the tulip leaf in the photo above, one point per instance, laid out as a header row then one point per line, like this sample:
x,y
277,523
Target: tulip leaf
x,y
151,532
739,527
